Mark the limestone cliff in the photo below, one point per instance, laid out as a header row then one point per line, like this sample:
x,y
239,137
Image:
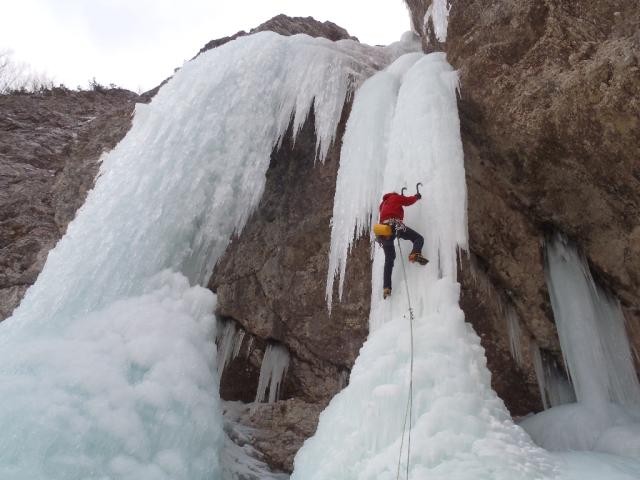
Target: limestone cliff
x,y
50,144
549,114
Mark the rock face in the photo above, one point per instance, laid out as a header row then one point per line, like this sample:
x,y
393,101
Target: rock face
x,y
272,280
550,116
550,123
286,26
50,144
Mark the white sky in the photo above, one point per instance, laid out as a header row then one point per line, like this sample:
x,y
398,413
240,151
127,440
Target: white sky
x,y
137,43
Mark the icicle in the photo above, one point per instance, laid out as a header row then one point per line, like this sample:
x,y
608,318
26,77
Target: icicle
x,y
515,333
540,373
554,385
623,380
274,367
229,341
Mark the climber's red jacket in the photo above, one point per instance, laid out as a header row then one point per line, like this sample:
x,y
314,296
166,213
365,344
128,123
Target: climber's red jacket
x,y
391,206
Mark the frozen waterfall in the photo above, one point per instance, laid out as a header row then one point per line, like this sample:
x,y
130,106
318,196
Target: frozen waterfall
x,y
404,129
591,328
108,366
460,428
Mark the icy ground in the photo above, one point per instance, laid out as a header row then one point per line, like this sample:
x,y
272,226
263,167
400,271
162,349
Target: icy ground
x,y
240,461
108,367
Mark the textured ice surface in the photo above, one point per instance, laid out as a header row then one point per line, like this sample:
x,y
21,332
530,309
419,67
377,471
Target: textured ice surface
x,y
596,349
608,428
404,128
240,461
107,370
125,392
596,466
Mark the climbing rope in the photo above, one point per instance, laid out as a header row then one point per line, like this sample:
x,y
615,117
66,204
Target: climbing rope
x,y
409,409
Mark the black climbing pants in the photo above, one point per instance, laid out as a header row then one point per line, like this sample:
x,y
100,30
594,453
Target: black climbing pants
x,y
390,250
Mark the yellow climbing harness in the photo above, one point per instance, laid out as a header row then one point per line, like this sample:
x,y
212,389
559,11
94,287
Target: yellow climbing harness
x,y
382,230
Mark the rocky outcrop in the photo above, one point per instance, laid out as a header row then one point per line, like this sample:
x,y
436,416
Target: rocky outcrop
x,y
550,117
50,145
285,25
272,280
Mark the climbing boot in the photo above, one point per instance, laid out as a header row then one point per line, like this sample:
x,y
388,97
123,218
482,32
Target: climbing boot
x,y
386,293
416,257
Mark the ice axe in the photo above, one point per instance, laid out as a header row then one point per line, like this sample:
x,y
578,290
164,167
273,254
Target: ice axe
x,y
418,185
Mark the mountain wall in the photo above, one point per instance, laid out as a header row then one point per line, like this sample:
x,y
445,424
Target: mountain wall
x,y
549,112
50,145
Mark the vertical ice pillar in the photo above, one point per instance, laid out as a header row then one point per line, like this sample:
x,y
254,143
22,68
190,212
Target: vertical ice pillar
x,y
460,428
591,330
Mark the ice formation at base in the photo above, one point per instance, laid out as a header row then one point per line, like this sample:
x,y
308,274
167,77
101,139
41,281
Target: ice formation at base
x,y
596,350
240,461
107,368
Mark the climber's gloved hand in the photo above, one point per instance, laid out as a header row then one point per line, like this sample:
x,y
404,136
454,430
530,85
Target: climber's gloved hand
x,y
418,196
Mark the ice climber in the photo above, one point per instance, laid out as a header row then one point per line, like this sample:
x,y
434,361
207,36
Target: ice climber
x,y
392,226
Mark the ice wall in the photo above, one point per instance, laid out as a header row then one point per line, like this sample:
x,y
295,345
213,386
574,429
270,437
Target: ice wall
x,y
107,368
404,128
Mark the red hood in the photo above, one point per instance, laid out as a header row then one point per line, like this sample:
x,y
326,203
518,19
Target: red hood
x,y
387,195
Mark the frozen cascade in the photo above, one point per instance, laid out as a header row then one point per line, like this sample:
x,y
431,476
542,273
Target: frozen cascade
x,y
595,347
275,364
461,429
404,128
107,366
